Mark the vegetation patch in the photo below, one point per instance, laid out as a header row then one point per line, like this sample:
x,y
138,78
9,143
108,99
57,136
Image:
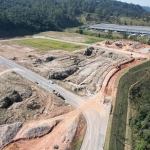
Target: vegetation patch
x,y
93,40
118,128
46,45
140,114
79,136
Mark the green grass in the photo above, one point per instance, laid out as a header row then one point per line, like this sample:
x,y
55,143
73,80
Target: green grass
x,y
79,136
46,45
93,40
78,144
70,35
121,106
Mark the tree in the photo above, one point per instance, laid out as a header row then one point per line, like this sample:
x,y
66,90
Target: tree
x,y
141,145
80,31
124,35
148,42
125,23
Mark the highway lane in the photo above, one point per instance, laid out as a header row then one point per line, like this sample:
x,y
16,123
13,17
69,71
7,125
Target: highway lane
x,y
96,124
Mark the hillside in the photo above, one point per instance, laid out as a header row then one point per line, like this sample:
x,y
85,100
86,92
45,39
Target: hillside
x,y
139,97
146,8
131,114
42,15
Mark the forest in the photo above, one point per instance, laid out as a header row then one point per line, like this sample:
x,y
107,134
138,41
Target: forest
x,y
43,15
146,8
140,120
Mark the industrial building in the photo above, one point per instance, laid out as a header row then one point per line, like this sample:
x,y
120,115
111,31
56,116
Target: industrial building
x,y
122,28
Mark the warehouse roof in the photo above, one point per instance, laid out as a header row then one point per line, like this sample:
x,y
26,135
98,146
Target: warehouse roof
x,y
123,28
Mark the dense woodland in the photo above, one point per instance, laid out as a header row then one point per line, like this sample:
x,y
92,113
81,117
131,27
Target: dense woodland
x,y
43,15
140,121
146,8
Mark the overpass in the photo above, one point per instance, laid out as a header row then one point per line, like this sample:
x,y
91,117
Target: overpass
x,y
122,28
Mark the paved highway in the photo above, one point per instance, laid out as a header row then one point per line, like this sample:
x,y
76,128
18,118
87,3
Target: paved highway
x,y
96,122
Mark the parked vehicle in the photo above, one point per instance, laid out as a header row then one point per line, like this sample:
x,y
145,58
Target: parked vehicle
x,y
51,82
36,82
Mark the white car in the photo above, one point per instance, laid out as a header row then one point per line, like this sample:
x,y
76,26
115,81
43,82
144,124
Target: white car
x,y
51,82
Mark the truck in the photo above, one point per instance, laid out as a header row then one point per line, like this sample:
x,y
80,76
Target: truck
x,y
58,94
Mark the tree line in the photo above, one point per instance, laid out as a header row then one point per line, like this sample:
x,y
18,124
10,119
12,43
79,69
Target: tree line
x,y
44,15
140,120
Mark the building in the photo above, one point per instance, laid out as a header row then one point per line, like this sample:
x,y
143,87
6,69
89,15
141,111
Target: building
x,y
122,28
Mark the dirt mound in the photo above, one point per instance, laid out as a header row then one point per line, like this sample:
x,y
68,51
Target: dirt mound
x,y
37,131
9,99
88,51
21,100
125,45
62,74
82,72
8,132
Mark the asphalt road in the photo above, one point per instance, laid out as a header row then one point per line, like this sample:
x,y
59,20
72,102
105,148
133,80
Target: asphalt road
x,y
96,123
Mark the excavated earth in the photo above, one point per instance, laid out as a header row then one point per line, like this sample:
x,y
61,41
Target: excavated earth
x,y
82,71
21,101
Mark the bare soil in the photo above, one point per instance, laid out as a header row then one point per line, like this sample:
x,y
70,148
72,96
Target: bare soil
x,y
126,45
50,105
82,71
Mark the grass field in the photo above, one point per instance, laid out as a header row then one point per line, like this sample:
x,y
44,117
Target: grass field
x,y
118,127
93,40
70,36
46,45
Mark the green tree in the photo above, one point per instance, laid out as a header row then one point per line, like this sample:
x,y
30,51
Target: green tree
x,y
141,145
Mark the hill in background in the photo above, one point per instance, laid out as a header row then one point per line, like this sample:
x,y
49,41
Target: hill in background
x,y
31,16
146,8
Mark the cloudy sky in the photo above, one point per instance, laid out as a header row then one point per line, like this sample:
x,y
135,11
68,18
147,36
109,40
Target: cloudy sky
x,y
140,2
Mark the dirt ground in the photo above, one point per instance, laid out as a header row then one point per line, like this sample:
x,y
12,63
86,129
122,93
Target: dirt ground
x,y
75,37
31,94
22,111
126,45
82,71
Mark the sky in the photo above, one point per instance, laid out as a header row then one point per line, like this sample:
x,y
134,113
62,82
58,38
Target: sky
x,y
140,2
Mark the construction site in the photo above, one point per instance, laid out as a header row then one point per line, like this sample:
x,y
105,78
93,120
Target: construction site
x,y
45,121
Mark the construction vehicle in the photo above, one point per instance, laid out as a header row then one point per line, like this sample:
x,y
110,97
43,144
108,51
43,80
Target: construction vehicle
x,y
58,94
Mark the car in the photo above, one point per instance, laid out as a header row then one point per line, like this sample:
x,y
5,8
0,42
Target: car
x,y
36,82
51,82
